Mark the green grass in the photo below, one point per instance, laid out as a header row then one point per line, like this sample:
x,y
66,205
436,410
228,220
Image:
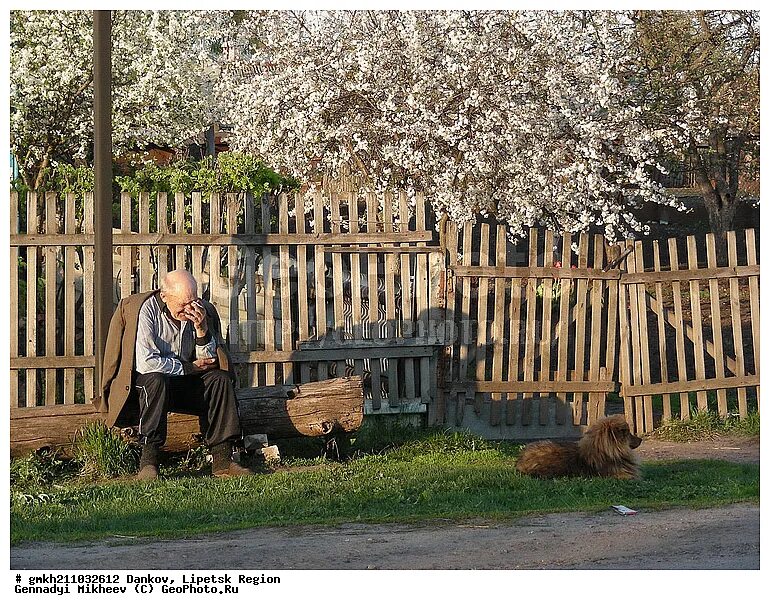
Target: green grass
x,y
433,475
707,425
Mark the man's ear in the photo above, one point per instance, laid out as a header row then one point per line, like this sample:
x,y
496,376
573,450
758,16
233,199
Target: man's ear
x,y
163,296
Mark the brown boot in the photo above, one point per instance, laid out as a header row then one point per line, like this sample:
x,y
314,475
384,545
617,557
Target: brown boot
x,y
148,464
223,464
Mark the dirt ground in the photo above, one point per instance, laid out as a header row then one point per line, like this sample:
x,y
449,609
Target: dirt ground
x,y
715,538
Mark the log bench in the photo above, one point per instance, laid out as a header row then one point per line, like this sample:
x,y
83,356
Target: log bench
x,y
328,409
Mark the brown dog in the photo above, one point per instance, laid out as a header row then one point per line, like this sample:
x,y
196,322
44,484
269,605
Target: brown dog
x,y
604,451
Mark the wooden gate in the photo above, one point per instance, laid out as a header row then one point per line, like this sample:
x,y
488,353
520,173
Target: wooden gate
x,y
533,348
689,328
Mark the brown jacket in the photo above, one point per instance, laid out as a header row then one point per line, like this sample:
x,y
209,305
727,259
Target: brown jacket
x,y
117,398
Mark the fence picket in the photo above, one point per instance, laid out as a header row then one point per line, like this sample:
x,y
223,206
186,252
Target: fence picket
x,y
735,315
546,332
498,401
662,356
69,299
285,285
145,264
14,300
303,313
676,288
52,227
563,329
751,259
716,325
697,321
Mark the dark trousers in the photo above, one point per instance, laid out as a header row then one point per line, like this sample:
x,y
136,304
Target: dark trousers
x,y
209,395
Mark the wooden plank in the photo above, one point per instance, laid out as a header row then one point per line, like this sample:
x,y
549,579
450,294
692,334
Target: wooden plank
x,y
32,264
447,366
596,399
383,249
52,362
624,322
662,356
514,402
563,327
162,223
704,385
751,258
88,297
146,270
250,269
267,287
320,283
407,328
215,259
303,311
498,404
272,239
180,252
684,399
554,273
14,300
612,326
374,328
232,310
537,386
735,317
644,343
716,325
381,351
52,228
465,323
636,313
338,296
126,251
546,332
285,284
697,322
422,283
692,274
580,327
197,229
69,298
481,332
391,269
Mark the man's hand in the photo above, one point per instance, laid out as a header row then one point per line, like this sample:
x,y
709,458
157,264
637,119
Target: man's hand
x,y
206,364
197,315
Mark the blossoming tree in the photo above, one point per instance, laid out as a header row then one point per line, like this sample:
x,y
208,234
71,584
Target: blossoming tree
x,y
520,115
160,92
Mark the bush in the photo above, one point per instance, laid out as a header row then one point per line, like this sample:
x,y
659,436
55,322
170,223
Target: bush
x,y
37,469
103,452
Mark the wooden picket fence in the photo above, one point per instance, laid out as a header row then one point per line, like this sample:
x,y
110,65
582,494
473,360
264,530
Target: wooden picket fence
x,y
513,341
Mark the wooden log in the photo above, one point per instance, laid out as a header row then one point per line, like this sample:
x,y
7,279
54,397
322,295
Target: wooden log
x,y
314,409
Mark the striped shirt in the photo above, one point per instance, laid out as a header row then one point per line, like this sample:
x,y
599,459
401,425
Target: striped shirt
x,y
166,345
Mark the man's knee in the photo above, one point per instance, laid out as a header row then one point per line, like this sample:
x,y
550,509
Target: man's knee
x,y
152,381
217,376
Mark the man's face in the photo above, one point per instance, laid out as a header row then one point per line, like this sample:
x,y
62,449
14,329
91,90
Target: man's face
x,y
176,303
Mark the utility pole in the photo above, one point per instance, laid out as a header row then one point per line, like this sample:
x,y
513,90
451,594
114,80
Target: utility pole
x,y
102,186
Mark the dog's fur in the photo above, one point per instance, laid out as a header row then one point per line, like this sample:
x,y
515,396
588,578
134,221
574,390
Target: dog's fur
x,y
604,451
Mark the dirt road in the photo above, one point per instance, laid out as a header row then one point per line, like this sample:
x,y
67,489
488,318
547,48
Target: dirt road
x,y
715,538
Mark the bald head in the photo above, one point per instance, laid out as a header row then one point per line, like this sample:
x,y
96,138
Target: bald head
x,y
180,283
177,290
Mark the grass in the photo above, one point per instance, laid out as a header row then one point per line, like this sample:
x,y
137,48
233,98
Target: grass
x,y
432,475
707,425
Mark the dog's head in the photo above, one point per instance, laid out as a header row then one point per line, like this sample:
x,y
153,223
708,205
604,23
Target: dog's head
x,y
618,429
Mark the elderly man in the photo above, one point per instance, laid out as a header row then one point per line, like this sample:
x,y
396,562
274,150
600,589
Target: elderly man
x,y
178,362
